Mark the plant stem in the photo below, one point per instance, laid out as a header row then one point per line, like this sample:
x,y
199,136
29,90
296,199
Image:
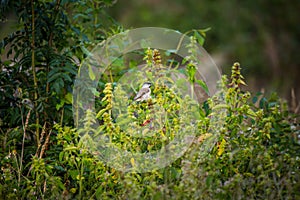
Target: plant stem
x,y
34,72
23,143
81,176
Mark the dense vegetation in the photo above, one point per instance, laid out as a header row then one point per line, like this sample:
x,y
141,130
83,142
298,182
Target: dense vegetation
x,y
254,154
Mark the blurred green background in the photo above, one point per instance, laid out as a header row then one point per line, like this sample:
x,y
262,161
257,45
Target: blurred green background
x,y
263,35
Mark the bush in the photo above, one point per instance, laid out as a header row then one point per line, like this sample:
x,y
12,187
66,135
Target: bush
x,y
254,156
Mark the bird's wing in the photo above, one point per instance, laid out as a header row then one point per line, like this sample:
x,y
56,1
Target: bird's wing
x,y
141,93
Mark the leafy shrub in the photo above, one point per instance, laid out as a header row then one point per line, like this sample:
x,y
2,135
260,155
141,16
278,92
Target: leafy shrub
x,y
256,155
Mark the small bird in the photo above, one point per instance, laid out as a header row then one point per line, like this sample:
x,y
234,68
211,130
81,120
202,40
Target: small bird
x,y
144,93
28,103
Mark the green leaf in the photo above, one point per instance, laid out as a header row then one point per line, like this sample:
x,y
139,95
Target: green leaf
x,y
100,113
61,155
91,73
74,174
79,15
85,51
66,77
58,85
191,69
203,85
203,31
200,38
254,99
60,104
69,98
54,77
118,62
70,68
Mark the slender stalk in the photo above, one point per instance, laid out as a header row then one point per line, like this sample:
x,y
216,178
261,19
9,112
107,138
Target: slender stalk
x,y
34,70
44,147
23,143
80,181
62,116
192,90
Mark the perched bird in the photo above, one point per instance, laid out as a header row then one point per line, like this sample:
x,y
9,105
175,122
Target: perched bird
x,y
144,93
28,103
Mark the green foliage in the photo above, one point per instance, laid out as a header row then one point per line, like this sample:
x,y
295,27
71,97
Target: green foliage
x,y
39,61
45,51
255,157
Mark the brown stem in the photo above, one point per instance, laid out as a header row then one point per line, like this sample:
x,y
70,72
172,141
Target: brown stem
x,y
41,139
45,145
